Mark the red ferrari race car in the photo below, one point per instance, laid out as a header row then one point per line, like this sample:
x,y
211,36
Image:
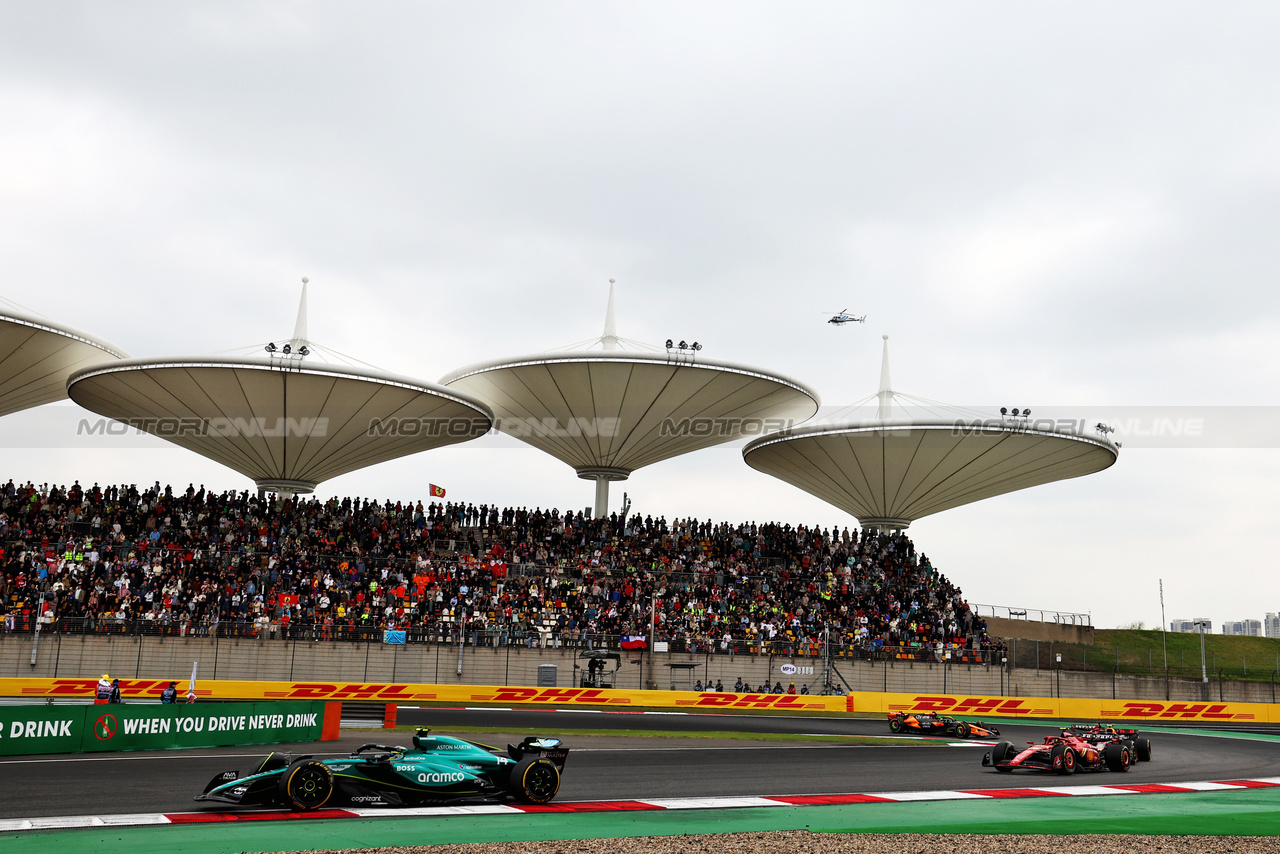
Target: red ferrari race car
x,y
1062,754
1140,745
927,723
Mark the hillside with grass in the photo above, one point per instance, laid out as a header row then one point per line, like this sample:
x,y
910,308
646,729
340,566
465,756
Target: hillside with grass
x,y
1146,652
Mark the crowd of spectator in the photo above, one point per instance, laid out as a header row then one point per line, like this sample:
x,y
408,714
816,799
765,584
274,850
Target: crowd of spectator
x,y
195,561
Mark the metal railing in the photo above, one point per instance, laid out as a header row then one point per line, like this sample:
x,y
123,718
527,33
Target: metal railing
x,y
1009,612
496,635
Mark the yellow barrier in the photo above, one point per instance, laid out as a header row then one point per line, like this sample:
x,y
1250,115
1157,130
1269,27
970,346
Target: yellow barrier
x,y
410,693
1131,711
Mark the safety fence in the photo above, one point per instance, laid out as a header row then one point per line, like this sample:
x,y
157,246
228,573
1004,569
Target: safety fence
x,y
503,636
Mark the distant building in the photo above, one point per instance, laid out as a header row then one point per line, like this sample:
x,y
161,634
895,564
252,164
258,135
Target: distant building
x,y
1190,625
1271,626
1247,628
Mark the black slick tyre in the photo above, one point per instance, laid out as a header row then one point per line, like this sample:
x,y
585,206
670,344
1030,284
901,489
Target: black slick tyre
x,y
1001,753
1117,756
1063,758
306,785
962,730
534,780
895,725
1142,748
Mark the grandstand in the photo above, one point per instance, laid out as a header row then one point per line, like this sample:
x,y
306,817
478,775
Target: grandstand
x,y
196,563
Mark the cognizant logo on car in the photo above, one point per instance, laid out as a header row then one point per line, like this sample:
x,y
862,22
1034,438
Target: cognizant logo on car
x,y
442,777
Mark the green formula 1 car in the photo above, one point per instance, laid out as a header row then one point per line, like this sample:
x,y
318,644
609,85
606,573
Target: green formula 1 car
x,y
437,770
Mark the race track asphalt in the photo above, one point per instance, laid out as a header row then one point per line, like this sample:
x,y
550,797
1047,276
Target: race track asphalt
x,y
620,767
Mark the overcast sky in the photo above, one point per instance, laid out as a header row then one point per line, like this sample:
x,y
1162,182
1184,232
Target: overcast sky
x,y
1071,207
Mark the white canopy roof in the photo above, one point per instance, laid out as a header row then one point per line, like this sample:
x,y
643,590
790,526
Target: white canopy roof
x,y
286,424
888,472
37,356
620,411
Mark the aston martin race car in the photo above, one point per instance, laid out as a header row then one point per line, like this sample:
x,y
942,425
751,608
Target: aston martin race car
x,y
1061,754
437,770
1102,733
931,724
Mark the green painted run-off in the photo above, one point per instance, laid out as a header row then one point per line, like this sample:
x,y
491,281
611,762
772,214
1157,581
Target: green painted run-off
x,y
1251,812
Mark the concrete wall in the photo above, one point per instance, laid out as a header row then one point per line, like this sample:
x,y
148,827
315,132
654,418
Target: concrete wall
x,y
999,627
88,656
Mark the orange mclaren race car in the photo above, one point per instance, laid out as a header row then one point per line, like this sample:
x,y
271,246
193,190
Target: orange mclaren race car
x,y
927,723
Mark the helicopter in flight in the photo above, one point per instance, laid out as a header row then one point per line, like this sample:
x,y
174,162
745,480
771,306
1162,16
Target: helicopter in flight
x,y
842,317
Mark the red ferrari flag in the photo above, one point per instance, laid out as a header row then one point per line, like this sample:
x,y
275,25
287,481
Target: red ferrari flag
x,y
437,491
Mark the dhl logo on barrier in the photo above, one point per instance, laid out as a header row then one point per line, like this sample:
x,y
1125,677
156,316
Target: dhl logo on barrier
x,y
752,701
971,706
381,693
1183,711
594,696
88,687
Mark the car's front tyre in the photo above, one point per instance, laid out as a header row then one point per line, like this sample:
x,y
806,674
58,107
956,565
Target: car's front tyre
x,y
306,785
1064,759
1001,753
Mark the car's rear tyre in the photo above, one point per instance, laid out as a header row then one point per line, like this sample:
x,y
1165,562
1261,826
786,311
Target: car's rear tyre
x,y
306,785
895,725
271,762
1003,752
534,780
1142,748
1117,756
962,730
1063,758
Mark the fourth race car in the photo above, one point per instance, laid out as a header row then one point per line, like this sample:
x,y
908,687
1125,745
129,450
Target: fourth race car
x,y
931,724
437,770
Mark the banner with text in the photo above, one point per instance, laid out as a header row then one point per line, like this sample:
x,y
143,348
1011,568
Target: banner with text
x,y
71,729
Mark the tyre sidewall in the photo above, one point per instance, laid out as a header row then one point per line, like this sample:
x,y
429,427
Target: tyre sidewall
x,y
288,777
519,774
